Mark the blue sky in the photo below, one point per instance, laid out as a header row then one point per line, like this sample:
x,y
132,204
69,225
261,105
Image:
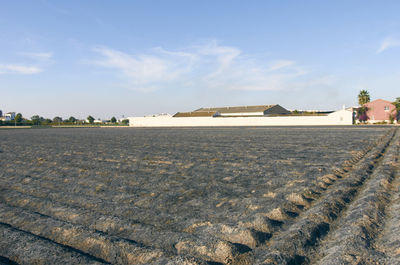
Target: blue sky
x,y
131,58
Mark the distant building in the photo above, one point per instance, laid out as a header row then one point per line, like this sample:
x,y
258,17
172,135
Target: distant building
x,y
263,115
197,114
9,116
98,121
380,110
240,111
354,111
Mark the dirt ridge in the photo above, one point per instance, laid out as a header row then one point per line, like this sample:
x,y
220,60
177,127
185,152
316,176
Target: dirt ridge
x,y
112,227
216,249
355,232
387,245
294,245
51,252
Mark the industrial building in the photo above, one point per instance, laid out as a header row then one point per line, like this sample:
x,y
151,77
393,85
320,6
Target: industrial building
x,y
262,115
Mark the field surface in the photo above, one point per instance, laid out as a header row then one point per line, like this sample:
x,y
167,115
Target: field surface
x,y
293,195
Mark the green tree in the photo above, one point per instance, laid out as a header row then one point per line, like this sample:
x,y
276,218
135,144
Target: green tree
x,y
391,118
397,103
113,120
18,118
90,119
362,114
58,120
363,97
36,120
125,121
72,119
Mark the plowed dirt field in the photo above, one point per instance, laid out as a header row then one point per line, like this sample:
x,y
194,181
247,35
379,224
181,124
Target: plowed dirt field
x,y
292,195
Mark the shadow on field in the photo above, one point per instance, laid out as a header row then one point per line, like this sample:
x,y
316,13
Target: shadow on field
x,y
5,261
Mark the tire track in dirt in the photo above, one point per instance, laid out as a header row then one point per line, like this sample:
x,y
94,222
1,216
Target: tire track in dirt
x,y
354,234
296,243
387,245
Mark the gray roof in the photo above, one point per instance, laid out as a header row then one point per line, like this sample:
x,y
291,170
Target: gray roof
x,y
196,114
238,109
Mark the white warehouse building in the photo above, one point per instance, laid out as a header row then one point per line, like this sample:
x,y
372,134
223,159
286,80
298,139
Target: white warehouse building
x,y
262,115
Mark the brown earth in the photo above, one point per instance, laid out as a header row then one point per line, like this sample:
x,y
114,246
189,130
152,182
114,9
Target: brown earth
x,y
295,195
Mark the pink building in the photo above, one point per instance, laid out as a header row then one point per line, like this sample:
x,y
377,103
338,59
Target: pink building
x,y
380,110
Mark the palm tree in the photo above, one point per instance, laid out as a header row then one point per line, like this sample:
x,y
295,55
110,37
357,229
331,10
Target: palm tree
x,y
363,97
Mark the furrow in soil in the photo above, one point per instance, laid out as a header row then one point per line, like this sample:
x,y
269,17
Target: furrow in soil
x,y
297,242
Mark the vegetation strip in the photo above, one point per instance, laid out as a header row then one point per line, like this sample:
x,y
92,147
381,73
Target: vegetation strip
x,y
292,245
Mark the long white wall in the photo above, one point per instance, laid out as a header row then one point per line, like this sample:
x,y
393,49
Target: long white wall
x,y
341,117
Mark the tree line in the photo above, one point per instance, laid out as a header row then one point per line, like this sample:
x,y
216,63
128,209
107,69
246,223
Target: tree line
x,y
39,120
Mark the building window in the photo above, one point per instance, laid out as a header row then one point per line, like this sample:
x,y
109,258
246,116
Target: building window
x,y
386,108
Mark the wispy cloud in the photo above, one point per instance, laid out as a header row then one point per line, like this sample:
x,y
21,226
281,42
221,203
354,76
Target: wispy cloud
x,y
42,56
19,69
210,65
388,43
40,60
280,64
142,70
